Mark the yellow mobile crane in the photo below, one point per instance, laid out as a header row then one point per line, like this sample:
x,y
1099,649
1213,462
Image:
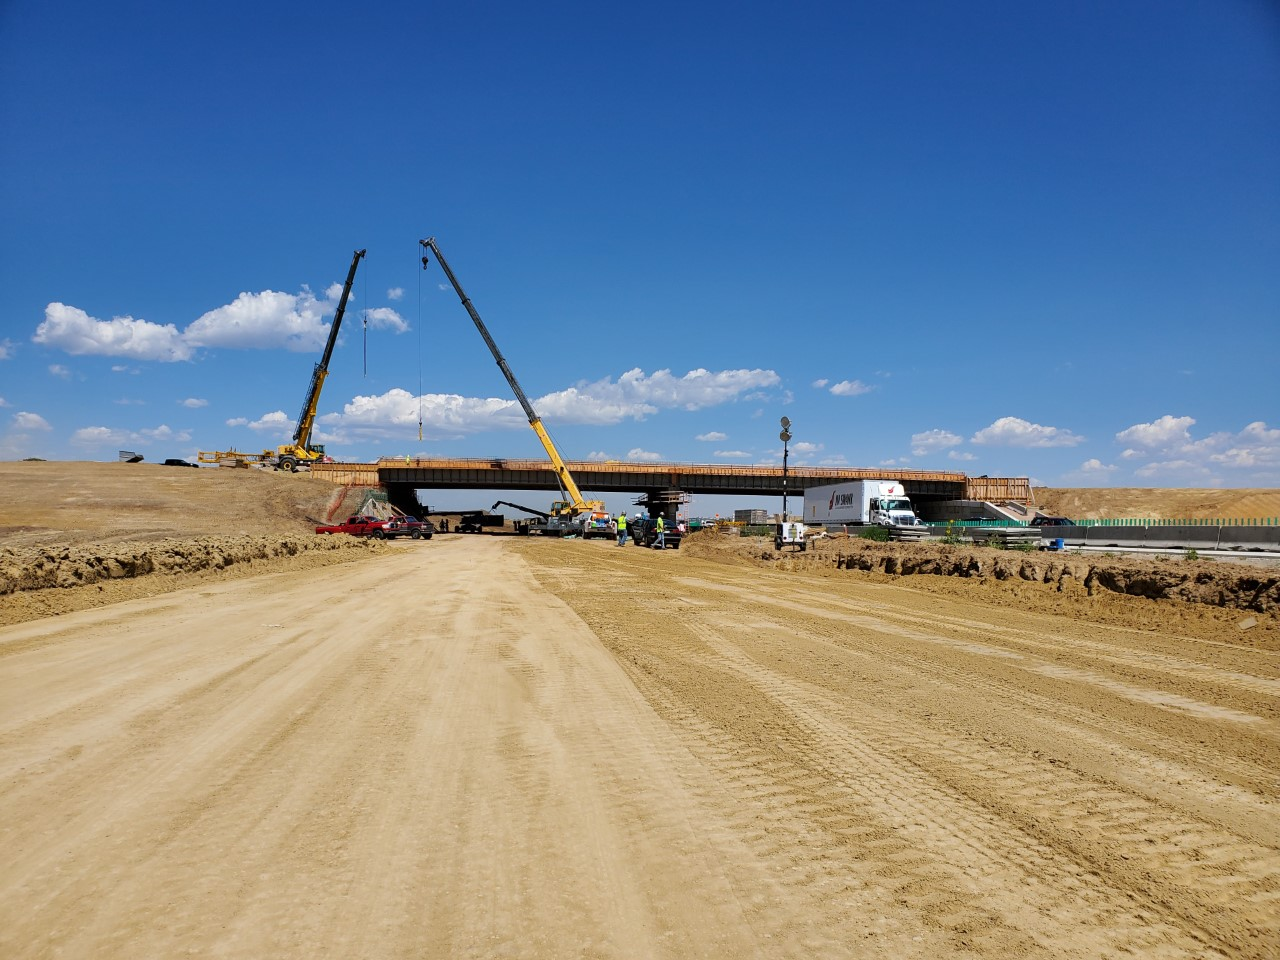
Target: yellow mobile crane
x,y
287,456
574,506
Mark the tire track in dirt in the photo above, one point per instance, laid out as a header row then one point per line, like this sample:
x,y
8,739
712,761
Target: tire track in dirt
x,y
1168,859
1017,674
723,661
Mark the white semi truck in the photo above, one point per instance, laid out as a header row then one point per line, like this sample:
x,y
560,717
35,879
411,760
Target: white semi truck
x,y
859,502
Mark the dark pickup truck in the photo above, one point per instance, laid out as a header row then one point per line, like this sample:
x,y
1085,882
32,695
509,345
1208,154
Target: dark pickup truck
x,y
644,533
415,528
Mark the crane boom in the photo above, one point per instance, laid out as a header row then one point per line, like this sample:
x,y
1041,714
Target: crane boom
x,y
564,477
287,456
307,418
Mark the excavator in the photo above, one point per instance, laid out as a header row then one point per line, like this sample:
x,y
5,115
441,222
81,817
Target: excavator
x,y
567,514
300,450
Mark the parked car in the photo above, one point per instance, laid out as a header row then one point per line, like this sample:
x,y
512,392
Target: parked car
x,y
1051,522
172,462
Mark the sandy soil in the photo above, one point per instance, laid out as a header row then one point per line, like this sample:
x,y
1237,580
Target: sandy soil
x,y
1089,503
46,503
495,746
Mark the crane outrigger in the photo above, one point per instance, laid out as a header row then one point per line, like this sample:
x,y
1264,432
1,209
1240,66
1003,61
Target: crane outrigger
x,y
574,505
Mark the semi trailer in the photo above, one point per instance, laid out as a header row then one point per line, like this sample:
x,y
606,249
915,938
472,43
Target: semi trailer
x,y
858,503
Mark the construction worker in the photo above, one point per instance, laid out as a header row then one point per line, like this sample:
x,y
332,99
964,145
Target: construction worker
x,y
622,529
662,537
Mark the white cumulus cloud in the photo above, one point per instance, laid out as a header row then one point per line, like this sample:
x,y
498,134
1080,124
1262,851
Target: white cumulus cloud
x,y
444,416
395,293
23,420
194,402
850,388
931,440
276,423
261,321
266,320
1171,450
1158,435
98,436
1096,466
73,331
1016,432
732,454
6,349
636,453
384,318
715,436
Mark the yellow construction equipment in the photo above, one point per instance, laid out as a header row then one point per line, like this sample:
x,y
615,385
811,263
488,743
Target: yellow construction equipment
x,y
301,450
574,507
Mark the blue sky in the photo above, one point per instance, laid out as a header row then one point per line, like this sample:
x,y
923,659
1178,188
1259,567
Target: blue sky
x,y
1005,238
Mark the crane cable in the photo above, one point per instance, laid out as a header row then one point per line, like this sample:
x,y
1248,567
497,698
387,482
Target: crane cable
x,y
364,314
420,272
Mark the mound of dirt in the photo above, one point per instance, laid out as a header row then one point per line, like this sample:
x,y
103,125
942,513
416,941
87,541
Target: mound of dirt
x,y
47,581
52,502
1138,503
40,568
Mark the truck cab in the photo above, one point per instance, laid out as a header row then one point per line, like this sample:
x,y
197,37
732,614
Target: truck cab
x,y
893,512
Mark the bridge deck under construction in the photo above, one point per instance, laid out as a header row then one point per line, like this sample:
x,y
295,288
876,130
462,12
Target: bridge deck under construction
x,y
626,477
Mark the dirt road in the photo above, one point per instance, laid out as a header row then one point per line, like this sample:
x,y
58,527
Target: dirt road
x,y
523,748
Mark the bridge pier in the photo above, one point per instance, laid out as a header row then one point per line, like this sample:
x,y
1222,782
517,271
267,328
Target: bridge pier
x,y
665,502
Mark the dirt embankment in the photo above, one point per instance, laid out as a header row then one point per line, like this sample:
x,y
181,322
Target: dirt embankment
x,y
1231,603
50,503
46,581
1096,503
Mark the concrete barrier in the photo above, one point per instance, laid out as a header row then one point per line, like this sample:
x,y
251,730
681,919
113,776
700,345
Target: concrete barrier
x,y
1249,538
1178,538
1070,536
1115,536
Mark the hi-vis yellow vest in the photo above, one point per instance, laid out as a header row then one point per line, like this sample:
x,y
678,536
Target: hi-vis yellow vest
x,y
622,521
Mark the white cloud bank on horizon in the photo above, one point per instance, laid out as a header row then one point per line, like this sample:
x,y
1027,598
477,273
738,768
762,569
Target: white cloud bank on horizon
x,y
112,437
635,395
253,321
1016,432
1168,449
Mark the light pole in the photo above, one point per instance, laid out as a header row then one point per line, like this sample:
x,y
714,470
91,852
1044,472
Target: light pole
x,y
785,437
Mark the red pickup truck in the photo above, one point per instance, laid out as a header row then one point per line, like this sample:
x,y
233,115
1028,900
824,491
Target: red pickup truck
x,y
362,526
